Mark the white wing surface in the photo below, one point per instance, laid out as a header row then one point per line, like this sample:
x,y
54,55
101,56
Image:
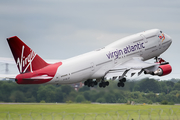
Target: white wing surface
x,y
133,66
7,60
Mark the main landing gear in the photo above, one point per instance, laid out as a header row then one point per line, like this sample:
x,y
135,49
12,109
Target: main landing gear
x,y
160,60
121,82
91,83
103,83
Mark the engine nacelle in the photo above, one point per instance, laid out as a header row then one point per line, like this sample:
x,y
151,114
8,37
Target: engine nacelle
x,y
161,71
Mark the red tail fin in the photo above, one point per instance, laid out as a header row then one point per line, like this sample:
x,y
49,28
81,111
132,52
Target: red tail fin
x,y
26,59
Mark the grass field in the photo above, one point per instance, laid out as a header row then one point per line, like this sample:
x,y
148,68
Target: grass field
x,y
87,111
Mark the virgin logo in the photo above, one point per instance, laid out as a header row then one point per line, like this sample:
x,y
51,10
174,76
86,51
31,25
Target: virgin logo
x,y
25,62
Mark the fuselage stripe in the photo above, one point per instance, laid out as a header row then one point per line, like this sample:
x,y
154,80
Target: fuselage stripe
x,y
132,53
104,62
150,48
138,41
81,70
151,36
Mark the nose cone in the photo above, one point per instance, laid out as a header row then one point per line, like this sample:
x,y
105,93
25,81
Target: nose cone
x,y
168,38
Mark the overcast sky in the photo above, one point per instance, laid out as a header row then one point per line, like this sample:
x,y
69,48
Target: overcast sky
x,y
59,29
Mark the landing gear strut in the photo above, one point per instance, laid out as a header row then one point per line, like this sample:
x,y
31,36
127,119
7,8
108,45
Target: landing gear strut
x,y
160,60
121,82
156,58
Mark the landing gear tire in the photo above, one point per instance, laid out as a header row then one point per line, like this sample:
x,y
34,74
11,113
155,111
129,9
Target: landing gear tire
x,y
124,80
90,83
85,83
100,84
107,83
121,82
95,83
103,84
118,84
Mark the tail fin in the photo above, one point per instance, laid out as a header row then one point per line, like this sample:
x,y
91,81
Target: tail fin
x,y
26,59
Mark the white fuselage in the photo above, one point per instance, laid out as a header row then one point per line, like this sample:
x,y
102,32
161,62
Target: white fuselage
x,y
96,64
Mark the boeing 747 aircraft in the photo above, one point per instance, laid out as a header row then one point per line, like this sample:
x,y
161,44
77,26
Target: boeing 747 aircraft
x,y
114,61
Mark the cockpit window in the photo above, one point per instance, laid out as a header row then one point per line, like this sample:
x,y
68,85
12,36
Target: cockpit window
x,y
161,36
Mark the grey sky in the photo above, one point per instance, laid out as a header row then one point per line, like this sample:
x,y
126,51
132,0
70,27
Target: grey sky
x,y
59,29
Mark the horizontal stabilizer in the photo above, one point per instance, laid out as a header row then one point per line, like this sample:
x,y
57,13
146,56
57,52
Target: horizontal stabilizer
x,y
42,77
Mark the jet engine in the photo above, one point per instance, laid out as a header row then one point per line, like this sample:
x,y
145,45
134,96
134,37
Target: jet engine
x,y
161,71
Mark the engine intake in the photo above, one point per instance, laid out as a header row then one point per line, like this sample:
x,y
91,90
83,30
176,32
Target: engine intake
x,y
161,71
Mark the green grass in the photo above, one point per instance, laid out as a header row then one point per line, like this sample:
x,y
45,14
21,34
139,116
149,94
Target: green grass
x,y
76,108
88,111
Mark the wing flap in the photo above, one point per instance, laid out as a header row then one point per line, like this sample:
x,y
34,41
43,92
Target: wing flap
x,y
136,63
113,74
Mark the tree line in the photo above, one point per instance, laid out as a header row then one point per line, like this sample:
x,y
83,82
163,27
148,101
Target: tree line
x,y
144,91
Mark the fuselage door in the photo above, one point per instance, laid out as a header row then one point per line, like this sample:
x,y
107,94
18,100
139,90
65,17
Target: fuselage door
x,y
144,42
92,66
144,39
57,78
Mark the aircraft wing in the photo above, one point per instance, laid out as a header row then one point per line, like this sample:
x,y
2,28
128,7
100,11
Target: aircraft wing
x,y
133,66
7,60
8,76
